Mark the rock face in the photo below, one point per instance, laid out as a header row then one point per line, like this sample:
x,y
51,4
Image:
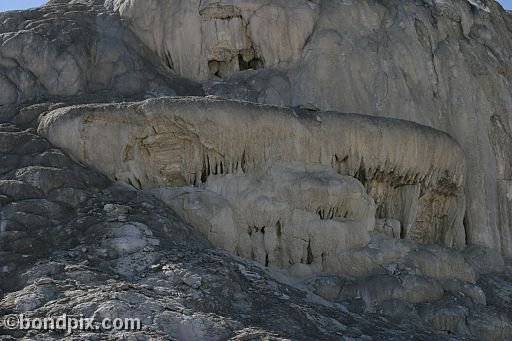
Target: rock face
x,y
180,142
442,64
196,165
222,37
286,216
76,50
290,52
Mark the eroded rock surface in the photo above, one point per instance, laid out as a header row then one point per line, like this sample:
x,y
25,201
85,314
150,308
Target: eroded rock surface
x,y
286,216
349,226
76,49
444,64
187,141
222,36
120,253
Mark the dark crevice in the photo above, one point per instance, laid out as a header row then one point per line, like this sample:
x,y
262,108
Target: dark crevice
x,y
168,60
253,64
208,170
361,173
465,223
402,231
222,69
130,182
243,162
310,253
204,173
138,183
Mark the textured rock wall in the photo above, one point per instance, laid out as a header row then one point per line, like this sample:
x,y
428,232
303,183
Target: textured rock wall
x,y
439,63
415,174
204,38
355,207
63,50
444,64
288,215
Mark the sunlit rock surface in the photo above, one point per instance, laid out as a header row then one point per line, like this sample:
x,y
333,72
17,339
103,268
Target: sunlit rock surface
x,y
444,64
260,208
414,173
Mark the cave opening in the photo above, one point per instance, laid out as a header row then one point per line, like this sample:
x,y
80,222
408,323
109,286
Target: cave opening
x,y
252,64
241,62
216,68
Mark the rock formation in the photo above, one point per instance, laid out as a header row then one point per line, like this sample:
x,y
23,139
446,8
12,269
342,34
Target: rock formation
x,y
242,169
438,63
85,51
230,150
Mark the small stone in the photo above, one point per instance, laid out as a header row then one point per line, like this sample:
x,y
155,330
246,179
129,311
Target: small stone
x,y
102,252
116,209
282,296
45,280
192,280
147,205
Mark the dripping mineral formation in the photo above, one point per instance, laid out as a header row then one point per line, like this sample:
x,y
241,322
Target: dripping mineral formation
x,y
271,183
242,169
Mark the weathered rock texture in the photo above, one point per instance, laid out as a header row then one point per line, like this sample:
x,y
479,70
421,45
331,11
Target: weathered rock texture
x,y
414,173
65,49
442,64
445,64
74,243
203,38
286,216
351,226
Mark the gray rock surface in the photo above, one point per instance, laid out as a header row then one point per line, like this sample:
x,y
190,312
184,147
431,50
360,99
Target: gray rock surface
x,y
268,214
77,49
